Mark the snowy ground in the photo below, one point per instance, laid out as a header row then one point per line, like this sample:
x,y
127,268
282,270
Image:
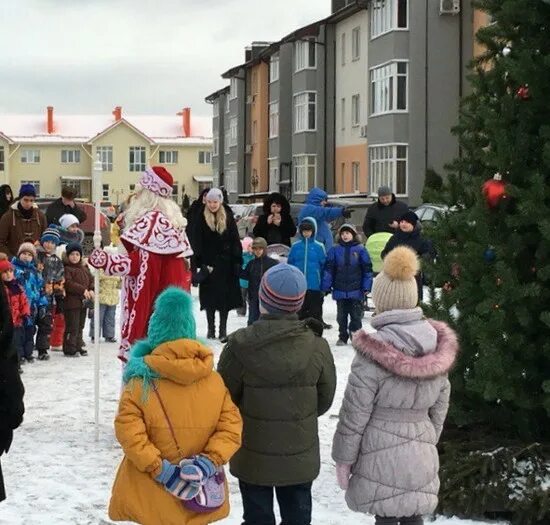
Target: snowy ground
x,y
57,474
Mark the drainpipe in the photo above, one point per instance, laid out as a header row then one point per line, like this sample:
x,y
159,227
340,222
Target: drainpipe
x,y
325,74
426,93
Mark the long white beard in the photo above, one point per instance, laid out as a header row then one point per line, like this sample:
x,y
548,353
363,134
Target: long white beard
x,y
146,201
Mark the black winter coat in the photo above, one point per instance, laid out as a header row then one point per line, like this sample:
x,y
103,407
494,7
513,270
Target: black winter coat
x,y
379,217
57,209
282,377
273,234
423,247
11,387
221,289
4,202
254,272
192,215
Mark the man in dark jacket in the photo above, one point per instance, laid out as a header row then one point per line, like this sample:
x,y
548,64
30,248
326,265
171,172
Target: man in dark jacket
x,y
280,372
276,225
383,215
64,205
11,387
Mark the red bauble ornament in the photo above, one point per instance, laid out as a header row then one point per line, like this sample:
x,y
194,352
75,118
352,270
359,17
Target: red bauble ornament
x,y
523,92
494,191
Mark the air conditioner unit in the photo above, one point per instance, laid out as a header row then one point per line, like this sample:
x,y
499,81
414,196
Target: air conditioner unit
x,y
248,149
364,132
449,7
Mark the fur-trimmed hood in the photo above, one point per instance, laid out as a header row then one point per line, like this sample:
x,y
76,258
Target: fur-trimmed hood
x,y
423,367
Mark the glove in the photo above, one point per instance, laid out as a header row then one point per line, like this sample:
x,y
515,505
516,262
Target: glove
x,y
98,259
343,473
170,477
346,213
197,469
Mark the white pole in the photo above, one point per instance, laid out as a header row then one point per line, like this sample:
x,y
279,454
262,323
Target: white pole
x,y
97,194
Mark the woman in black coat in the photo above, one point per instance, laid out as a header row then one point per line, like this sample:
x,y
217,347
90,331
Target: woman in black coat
x,y
192,214
6,198
276,225
217,261
11,387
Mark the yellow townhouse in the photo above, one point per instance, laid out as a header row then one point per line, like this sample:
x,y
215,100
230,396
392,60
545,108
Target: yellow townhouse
x,y
51,151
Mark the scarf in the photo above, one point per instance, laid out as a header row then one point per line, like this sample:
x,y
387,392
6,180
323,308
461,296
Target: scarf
x,y
26,214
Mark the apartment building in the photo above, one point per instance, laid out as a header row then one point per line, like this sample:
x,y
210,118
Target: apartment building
x,y
219,101
51,151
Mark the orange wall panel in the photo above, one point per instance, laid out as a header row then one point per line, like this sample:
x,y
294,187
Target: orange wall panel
x,y
259,114
344,158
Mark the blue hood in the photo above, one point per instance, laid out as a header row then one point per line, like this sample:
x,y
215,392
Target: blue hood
x,y
315,196
312,221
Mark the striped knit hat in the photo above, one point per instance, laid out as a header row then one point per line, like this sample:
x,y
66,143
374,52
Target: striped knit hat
x,y
51,234
282,290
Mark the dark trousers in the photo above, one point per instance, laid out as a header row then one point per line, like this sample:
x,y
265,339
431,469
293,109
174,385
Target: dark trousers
x,y
294,504
242,310
352,309
313,306
253,310
24,341
211,319
74,326
44,325
411,520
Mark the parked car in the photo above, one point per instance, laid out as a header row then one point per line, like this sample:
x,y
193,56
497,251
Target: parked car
x,y
429,213
249,219
358,207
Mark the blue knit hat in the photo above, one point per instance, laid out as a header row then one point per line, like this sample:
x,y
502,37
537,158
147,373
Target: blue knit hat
x,y
51,234
283,289
27,190
73,247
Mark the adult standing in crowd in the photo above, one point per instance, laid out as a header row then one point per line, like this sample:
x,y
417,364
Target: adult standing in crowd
x,y
11,387
317,207
65,205
276,225
217,262
6,198
383,215
194,211
23,222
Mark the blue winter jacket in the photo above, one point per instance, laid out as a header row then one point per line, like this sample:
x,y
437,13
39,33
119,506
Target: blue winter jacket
x,y
247,257
348,271
309,256
322,214
28,276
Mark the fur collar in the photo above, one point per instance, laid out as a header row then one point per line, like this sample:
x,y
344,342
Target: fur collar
x,y
424,367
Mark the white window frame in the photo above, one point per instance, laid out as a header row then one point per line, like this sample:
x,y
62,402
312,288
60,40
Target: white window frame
x,y
302,107
70,156
301,166
30,156
35,183
383,166
227,103
384,16
302,54
106,157
204,157
215,146
141,164
233,131
356,43
216,108
2,159
355,110
231,182
233,89
274,119
105,192
343,49
273,166
384,87
343,113
168,156
274,63
355,176
227,141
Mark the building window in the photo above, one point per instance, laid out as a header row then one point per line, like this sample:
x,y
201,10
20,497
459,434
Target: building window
x,y
70,156
215,146
355,173
227,104
388,15
227,141
175,192
2,159
233,88
132,188
388,167
137,158
168,157
30,156
305,55
355,110
106,157
343,113
305,172
273,174
305,112
231,178
233,131
35,183
216,108
343,48
105,192
273,120
274,69
205,157
389,88
356,43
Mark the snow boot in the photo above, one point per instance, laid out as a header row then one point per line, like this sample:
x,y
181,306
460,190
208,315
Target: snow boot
x,y
223,327
341,343
43,356
211,318
83,352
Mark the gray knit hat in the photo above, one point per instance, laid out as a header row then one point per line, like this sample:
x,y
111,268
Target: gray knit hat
x,y
395,286
215,194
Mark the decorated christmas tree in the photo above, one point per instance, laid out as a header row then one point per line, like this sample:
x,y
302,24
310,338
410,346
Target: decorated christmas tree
x,y
492,276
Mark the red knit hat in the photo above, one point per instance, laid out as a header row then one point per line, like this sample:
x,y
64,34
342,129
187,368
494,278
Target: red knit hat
x,y
158,180
5,265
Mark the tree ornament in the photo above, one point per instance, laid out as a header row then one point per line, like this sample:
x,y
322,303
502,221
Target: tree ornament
x,y
489,254
506,51
499,281
523,92
494,190
496,306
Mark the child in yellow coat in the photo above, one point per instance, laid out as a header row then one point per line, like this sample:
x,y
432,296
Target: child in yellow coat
x,y
173,368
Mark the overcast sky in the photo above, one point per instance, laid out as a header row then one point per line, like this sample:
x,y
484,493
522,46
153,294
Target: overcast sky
x,y
149,56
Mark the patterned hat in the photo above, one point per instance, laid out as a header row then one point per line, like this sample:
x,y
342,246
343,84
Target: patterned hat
x,y
158,180
283,289
27,247
51,234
